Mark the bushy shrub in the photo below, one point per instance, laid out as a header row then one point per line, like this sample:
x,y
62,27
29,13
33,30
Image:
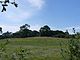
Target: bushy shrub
x,y
72,51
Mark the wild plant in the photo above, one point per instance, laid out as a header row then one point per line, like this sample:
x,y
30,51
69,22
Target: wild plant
x,y
72,49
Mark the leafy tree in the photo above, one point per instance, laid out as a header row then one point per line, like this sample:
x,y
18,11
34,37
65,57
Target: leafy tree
x,y
16,34
26,26
26,32
35,33
0,29
67,34
77,35
23,32
44,31
5,4
73,48
7,34
59,34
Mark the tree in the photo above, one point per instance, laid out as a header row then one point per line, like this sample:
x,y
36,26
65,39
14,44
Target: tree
x,y
0,29
45,31
67,34
72,51
35,33
74,30
26,26
7,34
59,34
5,4
23,32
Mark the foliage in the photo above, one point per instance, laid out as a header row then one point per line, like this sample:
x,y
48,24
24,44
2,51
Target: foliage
x,y
73,50
3,50
7,34
20,54
67,34
5,4
26,26
44,31
0,30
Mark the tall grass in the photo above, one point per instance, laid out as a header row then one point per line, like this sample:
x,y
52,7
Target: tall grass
x,y
31,48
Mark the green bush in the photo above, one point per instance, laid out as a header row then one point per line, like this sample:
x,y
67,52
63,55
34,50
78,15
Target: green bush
x,y
72,51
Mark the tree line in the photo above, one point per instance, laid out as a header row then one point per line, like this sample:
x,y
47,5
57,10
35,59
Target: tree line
x,y
45,31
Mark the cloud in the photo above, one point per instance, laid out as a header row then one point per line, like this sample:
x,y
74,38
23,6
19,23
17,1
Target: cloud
x,y
25,11
14,28
10,28
36,3
18,16
77,29
35,27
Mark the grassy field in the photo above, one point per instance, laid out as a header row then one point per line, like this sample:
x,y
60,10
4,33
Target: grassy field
x,y
38,48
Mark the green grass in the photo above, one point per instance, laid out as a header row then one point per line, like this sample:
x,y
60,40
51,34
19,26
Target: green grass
x,y
40,48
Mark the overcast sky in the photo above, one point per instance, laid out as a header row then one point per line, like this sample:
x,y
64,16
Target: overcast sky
x,y
58,14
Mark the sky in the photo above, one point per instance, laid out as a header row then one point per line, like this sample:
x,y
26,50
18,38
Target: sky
x,y
57,14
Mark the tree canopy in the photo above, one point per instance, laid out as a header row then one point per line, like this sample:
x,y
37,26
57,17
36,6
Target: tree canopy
x,y
5,3
45,31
